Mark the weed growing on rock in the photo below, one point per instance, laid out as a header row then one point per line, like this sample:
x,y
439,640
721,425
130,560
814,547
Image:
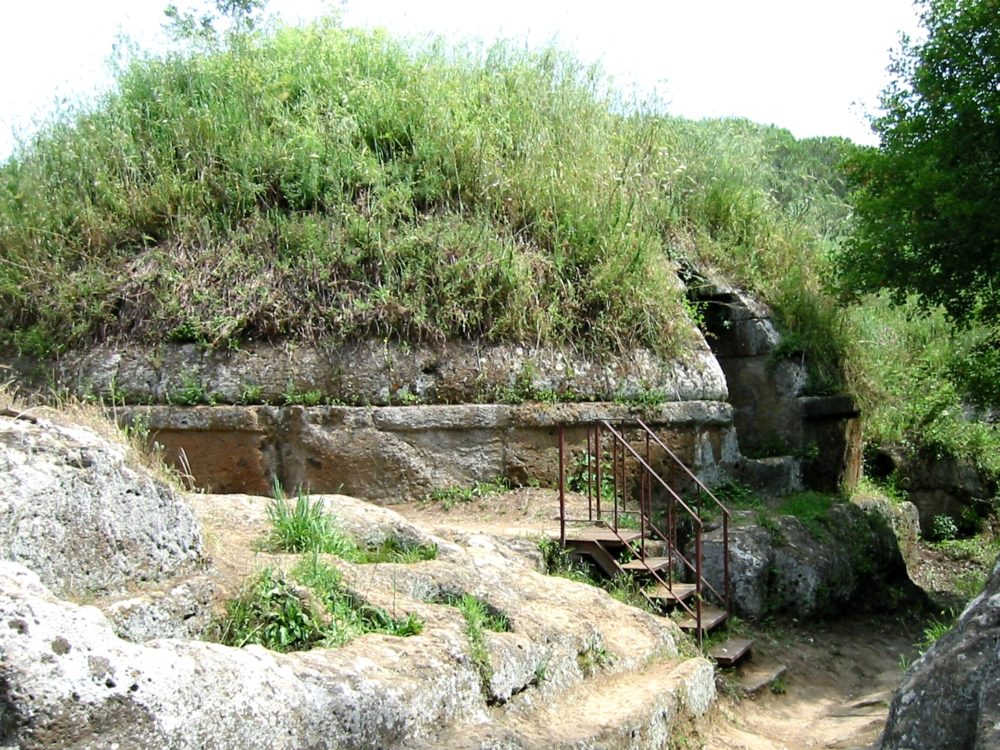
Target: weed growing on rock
x,y
281,614
558,561
628,591
449,497
291,396
592,658
811,508
934,630
394,551
304,527
479,617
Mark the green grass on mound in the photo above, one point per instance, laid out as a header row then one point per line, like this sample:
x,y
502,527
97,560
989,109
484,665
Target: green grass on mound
x,y
318,183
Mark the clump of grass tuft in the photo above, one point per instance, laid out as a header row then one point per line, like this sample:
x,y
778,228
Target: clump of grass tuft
x,y
479,617
449,497
305,527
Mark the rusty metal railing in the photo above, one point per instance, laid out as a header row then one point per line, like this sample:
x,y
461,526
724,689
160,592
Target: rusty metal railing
x,y
620,454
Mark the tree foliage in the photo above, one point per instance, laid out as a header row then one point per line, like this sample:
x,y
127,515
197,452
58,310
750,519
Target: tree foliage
x,y
926,199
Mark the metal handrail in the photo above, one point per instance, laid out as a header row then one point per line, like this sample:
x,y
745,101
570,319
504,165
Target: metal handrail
x,y
621,453
726,514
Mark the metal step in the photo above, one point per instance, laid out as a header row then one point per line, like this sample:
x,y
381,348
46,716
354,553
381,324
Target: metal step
x,y
602,535
678,592
730,651
711,617
655,564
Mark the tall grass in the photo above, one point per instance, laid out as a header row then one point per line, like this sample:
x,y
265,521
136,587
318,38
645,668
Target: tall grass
x,y
321,183
318,182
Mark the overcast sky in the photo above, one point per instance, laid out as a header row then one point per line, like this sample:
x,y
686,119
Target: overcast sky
x,y
812,66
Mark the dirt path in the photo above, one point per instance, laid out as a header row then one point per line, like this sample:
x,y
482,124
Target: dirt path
x,y
835,694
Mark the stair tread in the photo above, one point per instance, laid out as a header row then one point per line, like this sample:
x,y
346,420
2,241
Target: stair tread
x,y
730,651
710,617
606,536
676,592
651,563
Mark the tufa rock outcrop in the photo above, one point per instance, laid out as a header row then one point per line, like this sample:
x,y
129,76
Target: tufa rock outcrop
x,y
851,556
950,698
77,513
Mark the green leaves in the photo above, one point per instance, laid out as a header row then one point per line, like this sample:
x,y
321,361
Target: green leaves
x,y
926,199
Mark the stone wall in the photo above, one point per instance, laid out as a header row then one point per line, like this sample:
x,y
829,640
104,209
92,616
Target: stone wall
x,y
374,373
393,454
819,437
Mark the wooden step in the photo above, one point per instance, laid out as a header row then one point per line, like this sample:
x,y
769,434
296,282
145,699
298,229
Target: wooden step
x,y
757,679
604,536
655,564
730,651
678,592
711,617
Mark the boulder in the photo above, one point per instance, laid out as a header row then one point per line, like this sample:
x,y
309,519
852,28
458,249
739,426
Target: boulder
x,y
67,681
937,485
950,697
783,566
77,509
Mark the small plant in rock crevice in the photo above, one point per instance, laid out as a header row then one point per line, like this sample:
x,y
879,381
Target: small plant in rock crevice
x,y
479,618
303,610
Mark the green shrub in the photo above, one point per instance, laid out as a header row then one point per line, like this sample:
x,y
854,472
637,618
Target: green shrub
x,y
943,528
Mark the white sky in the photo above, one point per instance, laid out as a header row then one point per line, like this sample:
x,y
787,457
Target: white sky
x,y
812,66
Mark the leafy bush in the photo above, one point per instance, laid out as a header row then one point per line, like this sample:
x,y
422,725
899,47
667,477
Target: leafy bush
x,y
911,372
943,528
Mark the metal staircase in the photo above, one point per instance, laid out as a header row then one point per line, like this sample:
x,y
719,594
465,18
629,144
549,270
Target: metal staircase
x,y
620,537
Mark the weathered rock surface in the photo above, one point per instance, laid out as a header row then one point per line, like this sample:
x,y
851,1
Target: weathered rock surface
x,y
393,454
380,373
785,567
68,681
773,410
937,485
950,697
75,511
182,610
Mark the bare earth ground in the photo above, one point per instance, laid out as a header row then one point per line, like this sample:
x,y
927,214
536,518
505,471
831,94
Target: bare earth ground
x,y
840,674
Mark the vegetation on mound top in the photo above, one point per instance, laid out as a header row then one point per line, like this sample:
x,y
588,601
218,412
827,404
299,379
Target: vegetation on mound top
x,y
322,183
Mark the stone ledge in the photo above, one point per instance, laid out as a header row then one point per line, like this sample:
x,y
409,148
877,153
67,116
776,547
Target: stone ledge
x,y
393,453
374,372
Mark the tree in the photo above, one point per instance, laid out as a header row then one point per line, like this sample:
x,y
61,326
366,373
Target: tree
x,y
927,200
